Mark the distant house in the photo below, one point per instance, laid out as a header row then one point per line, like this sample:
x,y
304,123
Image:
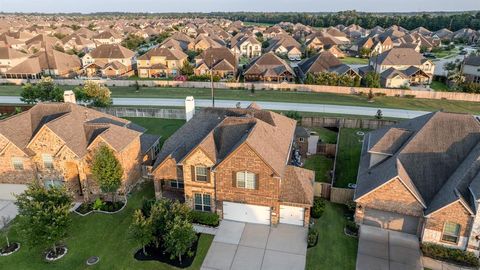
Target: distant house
x,y
221,61
246,45
10,58
78,43
471,69
274,31
324,62
269,68
178,41
107,37
422,177
411,63
203,42
236,163
109,61
285,45
160,62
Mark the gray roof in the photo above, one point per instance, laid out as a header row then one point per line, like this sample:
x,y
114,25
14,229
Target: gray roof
x,y
472,61
435,155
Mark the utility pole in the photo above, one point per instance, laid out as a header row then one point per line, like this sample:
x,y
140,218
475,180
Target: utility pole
x,y
211,80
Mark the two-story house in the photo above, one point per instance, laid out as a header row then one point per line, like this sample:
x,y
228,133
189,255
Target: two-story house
x,y
54,143
246,45
236,162
160,62
109,61
471,69
269,68
221,61
107,37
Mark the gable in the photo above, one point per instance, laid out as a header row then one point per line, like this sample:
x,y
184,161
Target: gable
x,y
244,158
393,196
198,157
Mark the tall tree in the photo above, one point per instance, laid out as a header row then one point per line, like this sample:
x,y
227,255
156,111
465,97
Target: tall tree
x,y
107,170
44,215
45,90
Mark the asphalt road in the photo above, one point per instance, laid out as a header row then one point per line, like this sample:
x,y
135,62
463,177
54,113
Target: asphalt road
x,y
283,106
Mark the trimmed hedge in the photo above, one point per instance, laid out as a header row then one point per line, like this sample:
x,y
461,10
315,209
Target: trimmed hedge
x,y
205,218
312,238
318,207
443,253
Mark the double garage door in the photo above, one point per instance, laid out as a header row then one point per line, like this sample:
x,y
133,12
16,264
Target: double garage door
x,y
7,191
391,221
261,214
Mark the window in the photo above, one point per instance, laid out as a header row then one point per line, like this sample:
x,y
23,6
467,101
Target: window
x,y
301,139
201,173
451,232
246,180
53,183
17,163
176,184
47,161
202,202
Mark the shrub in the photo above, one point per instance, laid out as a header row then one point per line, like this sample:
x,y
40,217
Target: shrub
x,y
351,227
312,237
318,207
147,206
409,96
458,256
379,94
205,218
98,204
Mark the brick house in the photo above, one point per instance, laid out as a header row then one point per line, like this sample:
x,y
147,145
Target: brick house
x,y
54,143
161,62
109,60
221,61
421,176
236,162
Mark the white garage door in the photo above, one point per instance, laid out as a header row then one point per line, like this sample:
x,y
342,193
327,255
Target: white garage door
x,y
7,191
292,215
246,213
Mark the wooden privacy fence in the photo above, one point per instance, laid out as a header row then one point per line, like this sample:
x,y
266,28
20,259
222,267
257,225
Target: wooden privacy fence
x,y
341,195
327,149
334,122
322,190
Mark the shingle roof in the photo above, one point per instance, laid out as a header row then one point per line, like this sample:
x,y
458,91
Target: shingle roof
x,y
400,56
111,51
472,61
297,185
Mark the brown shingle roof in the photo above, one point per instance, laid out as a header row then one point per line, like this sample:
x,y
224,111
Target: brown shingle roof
x,y
113,51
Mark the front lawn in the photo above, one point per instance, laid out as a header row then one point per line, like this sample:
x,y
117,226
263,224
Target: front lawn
x,y
439,86
354,60
334,250
322,167
100,235
158,126
348,156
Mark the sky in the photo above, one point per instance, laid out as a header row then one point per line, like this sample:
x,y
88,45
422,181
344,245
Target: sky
x,y
89,6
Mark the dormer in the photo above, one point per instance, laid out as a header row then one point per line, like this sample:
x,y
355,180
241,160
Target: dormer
x,y
387,145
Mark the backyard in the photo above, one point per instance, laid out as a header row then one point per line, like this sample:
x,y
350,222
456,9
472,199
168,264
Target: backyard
x,y
348,156
322,166
334,250
354,60
100,235
326,135
158,126
284,96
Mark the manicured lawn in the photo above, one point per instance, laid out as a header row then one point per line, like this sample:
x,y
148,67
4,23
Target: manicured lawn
x,y
439,86
322,167
100,235
326,135
158,126
354,60
348,156
334,250
278,96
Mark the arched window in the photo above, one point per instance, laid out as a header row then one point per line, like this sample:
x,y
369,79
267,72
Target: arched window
x,y
246,180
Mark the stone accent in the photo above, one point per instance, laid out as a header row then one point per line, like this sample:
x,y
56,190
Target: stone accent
x,y
392,197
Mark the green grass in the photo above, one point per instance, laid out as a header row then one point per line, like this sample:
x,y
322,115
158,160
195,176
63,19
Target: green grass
x,y
334,250
322,167
354,60
326,135
279,96
158,126
100,235
348,156
439,86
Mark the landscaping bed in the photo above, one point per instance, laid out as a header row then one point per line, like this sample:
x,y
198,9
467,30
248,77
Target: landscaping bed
x,y
103,207
455,256
59,253
7,250
154,253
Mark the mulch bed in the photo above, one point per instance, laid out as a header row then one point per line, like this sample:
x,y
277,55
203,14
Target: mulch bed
x,y
60,252
9,249
159,254
86,208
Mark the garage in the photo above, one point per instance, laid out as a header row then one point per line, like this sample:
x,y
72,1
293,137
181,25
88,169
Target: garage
x,y
246,213
292,215
392,221
7,191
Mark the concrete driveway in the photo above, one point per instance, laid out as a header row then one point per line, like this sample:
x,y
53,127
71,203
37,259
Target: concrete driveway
x,y
241,246
8,209
380,249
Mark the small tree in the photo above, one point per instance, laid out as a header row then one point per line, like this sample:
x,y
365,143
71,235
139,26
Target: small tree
x,y
141,229
370,95
252,89
107,171
137,87
180,238
44,215
95,94
187,68
372,80
4,220
44,90
365,52
379,114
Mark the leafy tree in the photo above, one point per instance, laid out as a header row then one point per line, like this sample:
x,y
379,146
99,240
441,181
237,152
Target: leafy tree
x,y
95,94
365,52
372,80
187,68
44,90
91,27
293,115
132,42
141,229
107,170
180,238
44,215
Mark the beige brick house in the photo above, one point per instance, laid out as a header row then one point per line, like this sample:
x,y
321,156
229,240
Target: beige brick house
x,y
54,143
236,162
422,176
